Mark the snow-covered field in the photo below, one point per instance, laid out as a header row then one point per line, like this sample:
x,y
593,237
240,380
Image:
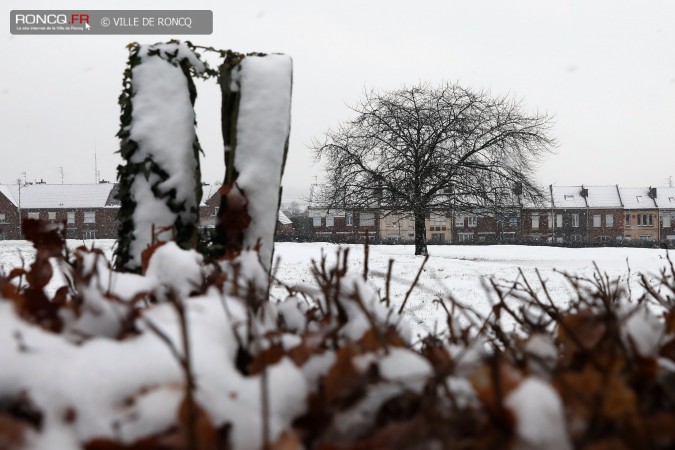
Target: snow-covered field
x,y
460,270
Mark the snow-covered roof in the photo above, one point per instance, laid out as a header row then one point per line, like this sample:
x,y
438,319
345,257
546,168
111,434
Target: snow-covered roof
x,y
4,190
36,196
665,197
208,191
568,197
636,198
283,218
603,197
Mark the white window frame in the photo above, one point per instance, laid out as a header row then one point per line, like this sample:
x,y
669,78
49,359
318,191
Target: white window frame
x,y
349,219
34,215
436,219
459,221
472,221
558,220
316,221
51,215
535,221
70,216
330,221
3,218
575,220
89,217
609,220
463,237
597,220
628,220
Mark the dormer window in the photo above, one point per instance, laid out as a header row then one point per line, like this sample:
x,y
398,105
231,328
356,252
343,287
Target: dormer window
x,y
639,198
569,197
671,199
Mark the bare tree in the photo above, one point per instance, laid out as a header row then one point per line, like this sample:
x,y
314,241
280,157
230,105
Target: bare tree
x,y
426,148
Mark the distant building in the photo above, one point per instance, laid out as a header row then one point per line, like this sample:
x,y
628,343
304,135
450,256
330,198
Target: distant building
x,y
88,210
641,214
665,199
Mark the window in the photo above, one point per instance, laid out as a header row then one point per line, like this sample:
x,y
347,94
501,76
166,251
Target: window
x,y
330,221
575,220
535,221
316,221
549,220
459,220
437,220
638,198
665,219
645,238
71,217
513,220
597,221
609,220
349,219
472,221
437,238
627,220
463,237
645,220
89,234
34,215
51,215
89,217
367,219
569,197
671,199
558,221
2,218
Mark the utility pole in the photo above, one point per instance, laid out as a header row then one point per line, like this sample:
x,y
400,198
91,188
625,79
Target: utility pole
x,y
18,182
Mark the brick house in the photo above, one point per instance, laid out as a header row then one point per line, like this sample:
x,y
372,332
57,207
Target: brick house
x,y
344,224
88,210
9,215
605,213
483,225
568,219
208,211
665,199
641,214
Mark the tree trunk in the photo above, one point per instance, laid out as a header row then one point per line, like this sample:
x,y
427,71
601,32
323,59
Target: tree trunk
x,y
420,235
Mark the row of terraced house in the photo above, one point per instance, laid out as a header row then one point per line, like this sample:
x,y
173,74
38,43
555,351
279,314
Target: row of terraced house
x,y
89,211
568,214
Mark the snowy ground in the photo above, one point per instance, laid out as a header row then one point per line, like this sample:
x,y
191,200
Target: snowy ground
x,y
460,270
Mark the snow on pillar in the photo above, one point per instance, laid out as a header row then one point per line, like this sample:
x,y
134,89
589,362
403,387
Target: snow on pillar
x,y
160,184
256,125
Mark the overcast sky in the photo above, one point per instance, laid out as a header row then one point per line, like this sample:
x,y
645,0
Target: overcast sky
x,y
604,68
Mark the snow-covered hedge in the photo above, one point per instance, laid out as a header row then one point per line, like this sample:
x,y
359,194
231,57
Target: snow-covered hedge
x,y
179,357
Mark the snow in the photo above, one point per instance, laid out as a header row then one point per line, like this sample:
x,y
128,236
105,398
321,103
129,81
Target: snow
x,y
56,196
177,271
636,198
457,269
163,126
567,197
97,375
603,197
540,421
262,132
112,404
